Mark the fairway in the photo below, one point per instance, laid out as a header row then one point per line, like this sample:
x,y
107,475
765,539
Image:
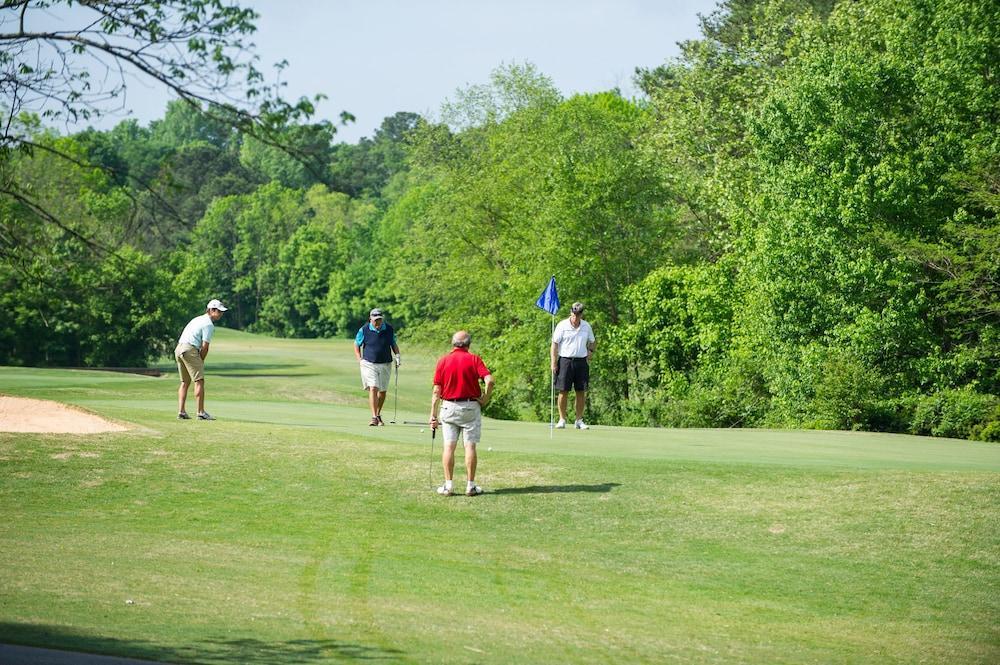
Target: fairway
x,y
290,531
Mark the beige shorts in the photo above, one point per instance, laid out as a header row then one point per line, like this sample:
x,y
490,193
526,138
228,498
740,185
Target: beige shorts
x,y
461,417
190,365
375,375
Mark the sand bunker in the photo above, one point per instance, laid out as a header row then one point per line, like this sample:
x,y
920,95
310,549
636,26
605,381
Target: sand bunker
x,y
20,414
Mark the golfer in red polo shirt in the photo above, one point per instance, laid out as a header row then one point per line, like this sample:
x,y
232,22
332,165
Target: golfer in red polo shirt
x,y
457,392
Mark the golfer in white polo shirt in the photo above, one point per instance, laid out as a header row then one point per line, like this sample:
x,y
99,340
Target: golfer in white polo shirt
x,y
572,346
192,347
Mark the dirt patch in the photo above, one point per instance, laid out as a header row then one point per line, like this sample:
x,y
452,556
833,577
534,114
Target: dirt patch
x,y
20,414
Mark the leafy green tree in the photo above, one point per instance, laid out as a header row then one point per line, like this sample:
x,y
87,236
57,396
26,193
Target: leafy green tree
x,y
365,168
856,145
197,49
66,298
184,124
835,162
298,162
323,270
702,103
142,155
559,181
235,248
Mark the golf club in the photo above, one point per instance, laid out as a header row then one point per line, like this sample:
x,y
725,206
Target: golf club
x,y
430,463
395,398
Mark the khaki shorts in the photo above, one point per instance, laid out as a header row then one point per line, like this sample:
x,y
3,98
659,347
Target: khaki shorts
x,y
190,365
461,416
375,375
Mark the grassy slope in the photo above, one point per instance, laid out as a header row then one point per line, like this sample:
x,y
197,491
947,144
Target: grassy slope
x,y
290,531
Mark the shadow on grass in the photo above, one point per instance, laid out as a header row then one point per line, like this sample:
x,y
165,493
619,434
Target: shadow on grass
x,y
208,650
255,371
232,367
248,367
252,375
556,489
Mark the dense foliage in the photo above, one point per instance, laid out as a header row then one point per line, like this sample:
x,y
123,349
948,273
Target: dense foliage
x,y
796,226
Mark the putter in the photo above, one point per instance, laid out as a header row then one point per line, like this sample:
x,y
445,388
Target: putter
x,y
395,398
430,464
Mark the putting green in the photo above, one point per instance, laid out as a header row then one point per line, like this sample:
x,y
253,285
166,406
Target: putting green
x,y
289,530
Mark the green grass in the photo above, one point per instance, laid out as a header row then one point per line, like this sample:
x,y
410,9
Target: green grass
x,y
289,531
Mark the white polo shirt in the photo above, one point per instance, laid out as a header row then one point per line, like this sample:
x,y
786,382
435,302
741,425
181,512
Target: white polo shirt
x,y
573,341
197,331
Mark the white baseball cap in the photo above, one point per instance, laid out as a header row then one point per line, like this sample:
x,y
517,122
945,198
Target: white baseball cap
x,y
215,303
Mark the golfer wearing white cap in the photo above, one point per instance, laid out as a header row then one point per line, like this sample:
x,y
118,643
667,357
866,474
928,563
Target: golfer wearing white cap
x,y
373,347
192,347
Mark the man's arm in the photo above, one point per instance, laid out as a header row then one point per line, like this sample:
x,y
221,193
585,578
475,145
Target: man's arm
x,y
484,399
204,350
435,401
358,341
395,349
554,352
591,345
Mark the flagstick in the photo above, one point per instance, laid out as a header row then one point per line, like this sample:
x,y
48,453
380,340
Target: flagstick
x,y
552,380
549,301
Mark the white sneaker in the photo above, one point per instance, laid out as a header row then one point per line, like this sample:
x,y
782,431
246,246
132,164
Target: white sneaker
x,y
444,491
582,425
561,424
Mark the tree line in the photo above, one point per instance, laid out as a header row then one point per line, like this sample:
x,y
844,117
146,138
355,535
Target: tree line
x,y
794,226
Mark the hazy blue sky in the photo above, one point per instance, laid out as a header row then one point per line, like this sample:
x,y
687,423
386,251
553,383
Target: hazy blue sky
x,y
376,57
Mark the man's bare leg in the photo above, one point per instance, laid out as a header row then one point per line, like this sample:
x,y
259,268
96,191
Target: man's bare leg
x,y
470,461
448,460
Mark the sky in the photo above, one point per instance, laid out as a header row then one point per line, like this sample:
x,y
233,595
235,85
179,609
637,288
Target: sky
x,y
373,58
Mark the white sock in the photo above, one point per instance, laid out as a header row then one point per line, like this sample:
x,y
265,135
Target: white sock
x,y
470,485
447,484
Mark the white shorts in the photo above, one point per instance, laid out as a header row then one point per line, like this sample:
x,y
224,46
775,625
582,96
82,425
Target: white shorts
x,y
375,375
461,416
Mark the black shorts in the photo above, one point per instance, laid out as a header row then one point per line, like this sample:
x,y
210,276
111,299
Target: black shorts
x,y
572,373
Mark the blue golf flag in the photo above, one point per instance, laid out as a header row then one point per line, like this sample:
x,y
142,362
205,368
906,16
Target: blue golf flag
x,y
549,300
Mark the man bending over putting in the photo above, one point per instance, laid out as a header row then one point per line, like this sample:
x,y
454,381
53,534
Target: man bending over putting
x,y
456,390
192,348
373,347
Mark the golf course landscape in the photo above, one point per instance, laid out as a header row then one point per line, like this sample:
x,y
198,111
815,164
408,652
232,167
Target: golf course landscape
x,y
288,530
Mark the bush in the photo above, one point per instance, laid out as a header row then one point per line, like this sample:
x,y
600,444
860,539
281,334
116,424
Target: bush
x,y
846,394
990,431
732,394
960,413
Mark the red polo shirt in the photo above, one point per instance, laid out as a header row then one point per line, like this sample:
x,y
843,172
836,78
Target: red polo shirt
x,y
458,374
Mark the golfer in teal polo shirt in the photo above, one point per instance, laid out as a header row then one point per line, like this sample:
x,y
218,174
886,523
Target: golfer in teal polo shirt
x,y
373,347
